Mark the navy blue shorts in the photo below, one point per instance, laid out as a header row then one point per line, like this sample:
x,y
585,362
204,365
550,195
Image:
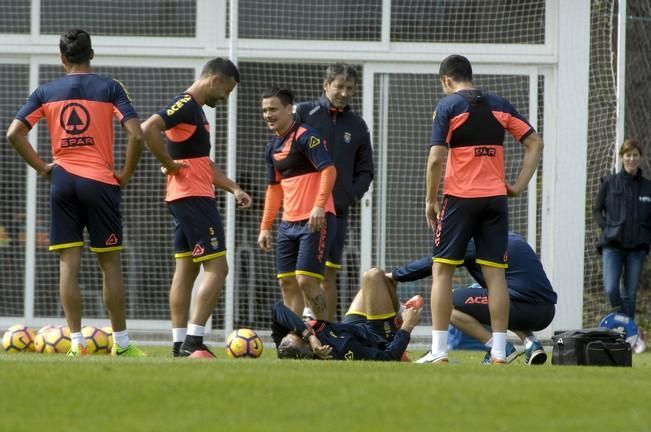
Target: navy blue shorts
x,y
522,316
300,251
483,219
337,249
381,330
198,229
77,202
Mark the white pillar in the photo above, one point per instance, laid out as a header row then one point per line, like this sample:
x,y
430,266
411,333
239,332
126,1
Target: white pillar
x,y
621,81
231,165
564,156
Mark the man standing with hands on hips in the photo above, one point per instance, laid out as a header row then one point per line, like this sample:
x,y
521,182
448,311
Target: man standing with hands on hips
x,y
470,124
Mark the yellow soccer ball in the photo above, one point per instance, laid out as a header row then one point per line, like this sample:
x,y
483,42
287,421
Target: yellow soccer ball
x,y
39,343
97,341
39,339
244,343
57,340
109,332
45,329
18,338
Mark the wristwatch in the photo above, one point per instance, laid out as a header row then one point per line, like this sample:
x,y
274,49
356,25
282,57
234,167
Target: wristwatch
x,y
305,334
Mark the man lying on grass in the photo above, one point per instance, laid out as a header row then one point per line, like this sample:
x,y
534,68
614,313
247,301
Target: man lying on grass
x,y
368,332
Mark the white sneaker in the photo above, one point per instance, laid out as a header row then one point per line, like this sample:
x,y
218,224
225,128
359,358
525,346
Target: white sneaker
x,y
430,358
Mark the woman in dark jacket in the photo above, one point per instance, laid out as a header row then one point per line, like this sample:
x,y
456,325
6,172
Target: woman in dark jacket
x,y
623,211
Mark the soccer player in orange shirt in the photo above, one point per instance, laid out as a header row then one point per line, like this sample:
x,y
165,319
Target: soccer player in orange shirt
x,y
191,176
301,175
86,189
469,127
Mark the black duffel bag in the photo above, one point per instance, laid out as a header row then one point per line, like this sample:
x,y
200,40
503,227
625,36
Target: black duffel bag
x,y
592,347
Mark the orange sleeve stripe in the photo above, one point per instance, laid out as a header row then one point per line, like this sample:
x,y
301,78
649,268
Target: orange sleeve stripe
x,y
328,177
455,122
516,127
34,116
118,115
272,201
181,132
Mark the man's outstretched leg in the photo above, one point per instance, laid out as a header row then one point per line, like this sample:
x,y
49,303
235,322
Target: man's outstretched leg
x,y
441,303
208,293
314,296
185,274
114,298
69,265
498,305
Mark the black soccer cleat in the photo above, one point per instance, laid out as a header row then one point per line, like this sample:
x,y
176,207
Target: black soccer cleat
x,y
176,349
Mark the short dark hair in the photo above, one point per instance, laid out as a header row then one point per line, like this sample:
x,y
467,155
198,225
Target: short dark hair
x,y
223,67
630,145
75,46
346,70
285,95
456,67
288,349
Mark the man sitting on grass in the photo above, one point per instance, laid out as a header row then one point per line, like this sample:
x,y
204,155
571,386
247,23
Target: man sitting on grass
x,y
368,332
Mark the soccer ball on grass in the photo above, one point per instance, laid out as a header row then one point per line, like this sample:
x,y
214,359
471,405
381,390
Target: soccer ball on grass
x,y
18,338
97,340
243,343
54,341
109,332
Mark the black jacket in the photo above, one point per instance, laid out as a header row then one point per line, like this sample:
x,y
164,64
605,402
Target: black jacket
x,y
348,140
622,209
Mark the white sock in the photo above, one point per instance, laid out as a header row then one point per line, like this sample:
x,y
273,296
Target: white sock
x,y
439,342
489,343
121,338
499,345
77,339
178,334
196,330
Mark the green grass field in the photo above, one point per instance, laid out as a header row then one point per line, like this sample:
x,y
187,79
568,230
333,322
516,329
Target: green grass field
x,y
99,393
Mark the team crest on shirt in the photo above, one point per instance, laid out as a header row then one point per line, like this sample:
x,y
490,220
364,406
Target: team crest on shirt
x,y
314,141
347,137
